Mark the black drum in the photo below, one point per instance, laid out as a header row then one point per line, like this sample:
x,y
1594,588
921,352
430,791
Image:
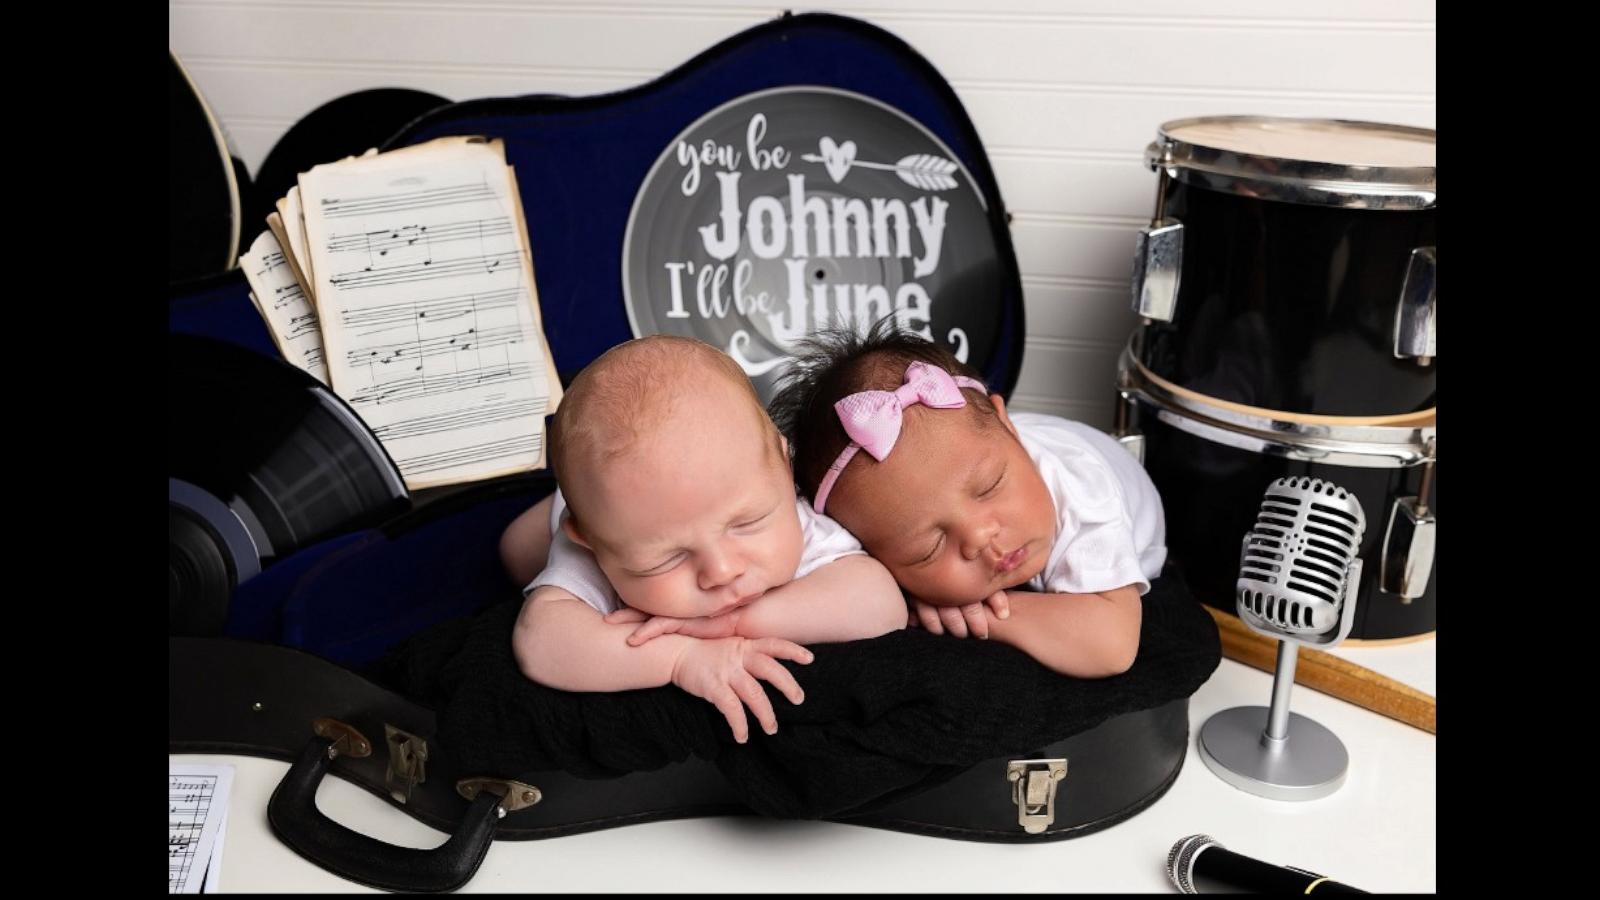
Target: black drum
x,y
1212,463
1291,265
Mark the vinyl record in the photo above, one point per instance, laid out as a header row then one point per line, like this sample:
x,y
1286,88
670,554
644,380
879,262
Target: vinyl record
x,y
794,209
262,460
203,199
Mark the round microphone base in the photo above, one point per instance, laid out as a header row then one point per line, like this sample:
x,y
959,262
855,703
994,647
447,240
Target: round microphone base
x,y
1311,763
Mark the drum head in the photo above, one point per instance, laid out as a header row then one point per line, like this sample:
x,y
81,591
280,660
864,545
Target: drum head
x,y
1314,140
1318,162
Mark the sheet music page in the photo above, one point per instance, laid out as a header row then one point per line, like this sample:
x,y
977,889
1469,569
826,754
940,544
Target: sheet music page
x,y
197,805
214,868
275,223
290,319
430,319
293,217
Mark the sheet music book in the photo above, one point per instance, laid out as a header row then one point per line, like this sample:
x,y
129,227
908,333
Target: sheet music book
x,y
197,810
415,300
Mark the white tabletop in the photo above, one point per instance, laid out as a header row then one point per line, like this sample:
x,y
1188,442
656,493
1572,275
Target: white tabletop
x,y
1378,832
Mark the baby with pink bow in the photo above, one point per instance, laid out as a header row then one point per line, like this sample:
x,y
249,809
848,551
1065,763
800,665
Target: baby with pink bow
x,y
1029,529
676,551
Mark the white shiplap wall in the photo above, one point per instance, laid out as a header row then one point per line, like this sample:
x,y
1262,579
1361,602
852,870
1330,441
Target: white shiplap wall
x,y
1065,95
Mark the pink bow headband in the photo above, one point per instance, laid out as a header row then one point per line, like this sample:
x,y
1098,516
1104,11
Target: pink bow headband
x,y
872,418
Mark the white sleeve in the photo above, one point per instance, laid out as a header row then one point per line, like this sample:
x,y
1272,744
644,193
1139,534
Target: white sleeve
x,y
573,568
825,540
1095,550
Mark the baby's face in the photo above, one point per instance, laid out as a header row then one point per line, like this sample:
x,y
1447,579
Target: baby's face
x,y
956,512
700,520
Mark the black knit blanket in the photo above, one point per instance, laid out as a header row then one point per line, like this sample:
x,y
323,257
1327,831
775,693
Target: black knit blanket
x,y
883,716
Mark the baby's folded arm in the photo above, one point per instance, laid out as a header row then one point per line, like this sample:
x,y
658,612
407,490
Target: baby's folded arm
x,y
651,627
1083,635
561,642
848,599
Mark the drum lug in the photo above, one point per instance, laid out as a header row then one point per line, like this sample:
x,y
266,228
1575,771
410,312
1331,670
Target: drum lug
x,y
1408,546
1157,263
1033,789
1134,444
1416,319
1131,439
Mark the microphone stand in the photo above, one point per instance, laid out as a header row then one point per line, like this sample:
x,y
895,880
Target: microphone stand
x,y
1272,752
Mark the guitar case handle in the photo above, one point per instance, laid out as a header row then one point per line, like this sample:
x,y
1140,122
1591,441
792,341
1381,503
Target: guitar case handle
x,y
295,819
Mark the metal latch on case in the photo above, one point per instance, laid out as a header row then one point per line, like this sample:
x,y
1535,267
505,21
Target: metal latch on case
x,y
1034,784
408,755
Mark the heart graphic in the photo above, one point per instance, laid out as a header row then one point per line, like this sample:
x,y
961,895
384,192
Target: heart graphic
x,y
836,158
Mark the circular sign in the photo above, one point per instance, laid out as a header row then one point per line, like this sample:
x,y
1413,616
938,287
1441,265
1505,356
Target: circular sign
x,y
795,209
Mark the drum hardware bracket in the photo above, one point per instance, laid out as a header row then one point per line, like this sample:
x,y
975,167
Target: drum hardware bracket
x,y
1416,319
514,795
1408,549
1158,249
1410,538
408,755
1134,444
1131,439
1034,784
1157,263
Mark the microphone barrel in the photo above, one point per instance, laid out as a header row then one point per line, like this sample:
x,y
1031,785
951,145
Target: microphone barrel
x,y
1221,871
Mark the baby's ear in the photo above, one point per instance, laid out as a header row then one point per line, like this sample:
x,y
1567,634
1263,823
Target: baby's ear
x,y
1000,412
570,526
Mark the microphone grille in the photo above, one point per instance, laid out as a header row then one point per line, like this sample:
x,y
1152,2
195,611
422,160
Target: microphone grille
x,y
1180,860
1297,556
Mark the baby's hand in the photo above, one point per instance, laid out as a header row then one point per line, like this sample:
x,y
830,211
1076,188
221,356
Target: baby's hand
x,y
999,604
959,620
724,672
725,625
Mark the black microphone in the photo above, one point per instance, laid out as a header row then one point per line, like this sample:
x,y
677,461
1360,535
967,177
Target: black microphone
x,y
1200,865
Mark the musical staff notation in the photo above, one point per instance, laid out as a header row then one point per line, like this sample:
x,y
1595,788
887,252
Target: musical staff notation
x,y
427,307
290,318
197,798
428,270
380,204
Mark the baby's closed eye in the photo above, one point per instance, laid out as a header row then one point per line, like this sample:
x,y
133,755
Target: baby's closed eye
x,y
661,568
753,522
993,486
933,551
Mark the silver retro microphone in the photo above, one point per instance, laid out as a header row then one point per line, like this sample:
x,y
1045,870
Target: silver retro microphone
x,y
1299,571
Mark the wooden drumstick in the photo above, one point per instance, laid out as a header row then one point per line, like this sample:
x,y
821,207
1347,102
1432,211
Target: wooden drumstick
x,y
1329,674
